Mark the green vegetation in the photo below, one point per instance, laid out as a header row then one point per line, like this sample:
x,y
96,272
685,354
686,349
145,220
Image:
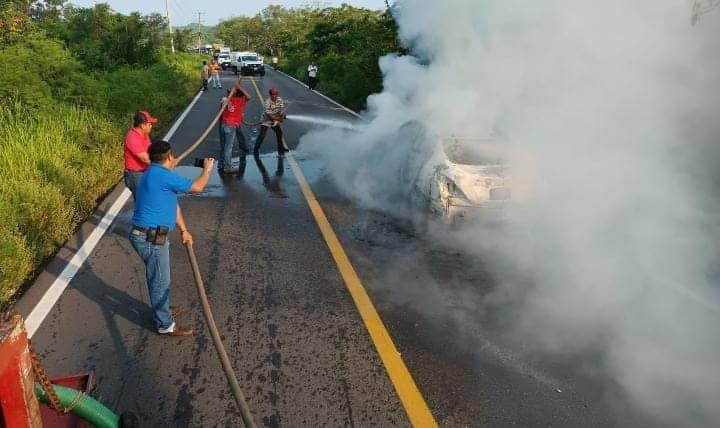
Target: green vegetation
x,y
345,42
72,79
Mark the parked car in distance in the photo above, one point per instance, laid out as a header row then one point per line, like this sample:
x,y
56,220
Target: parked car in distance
x,y
224,60
248,63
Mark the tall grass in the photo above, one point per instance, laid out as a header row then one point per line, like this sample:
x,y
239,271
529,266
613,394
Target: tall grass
x,y
57,157
53,166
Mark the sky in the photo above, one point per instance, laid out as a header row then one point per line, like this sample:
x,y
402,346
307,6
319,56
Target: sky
x,y
183,12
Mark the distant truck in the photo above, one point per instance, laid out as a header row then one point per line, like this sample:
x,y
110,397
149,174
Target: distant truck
x,y
247,63
225,60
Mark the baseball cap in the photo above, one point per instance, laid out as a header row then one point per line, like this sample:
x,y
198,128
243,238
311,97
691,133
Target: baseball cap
x,y
148,117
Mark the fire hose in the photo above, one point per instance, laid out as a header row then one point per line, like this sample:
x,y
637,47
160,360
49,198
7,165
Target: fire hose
x,y
217,340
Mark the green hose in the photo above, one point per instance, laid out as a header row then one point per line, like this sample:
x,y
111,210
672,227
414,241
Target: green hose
x,y
87,408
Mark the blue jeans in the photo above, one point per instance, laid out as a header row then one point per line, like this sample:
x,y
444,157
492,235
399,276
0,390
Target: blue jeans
x,y
132,180
157,274
230,134
215,80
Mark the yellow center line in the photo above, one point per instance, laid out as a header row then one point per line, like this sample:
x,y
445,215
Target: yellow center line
x,y
414,403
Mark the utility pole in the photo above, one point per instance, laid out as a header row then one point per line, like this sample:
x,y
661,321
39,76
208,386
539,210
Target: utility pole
x,y
170,30
199,20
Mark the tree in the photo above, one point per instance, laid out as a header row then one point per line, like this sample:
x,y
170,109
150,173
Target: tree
x,y
14,20
183,38
104,39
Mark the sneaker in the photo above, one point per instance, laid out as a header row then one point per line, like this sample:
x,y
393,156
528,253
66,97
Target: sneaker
x,y
176,331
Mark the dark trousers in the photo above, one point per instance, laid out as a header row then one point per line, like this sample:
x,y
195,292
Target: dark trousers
x,y
132,180
312,81
261,138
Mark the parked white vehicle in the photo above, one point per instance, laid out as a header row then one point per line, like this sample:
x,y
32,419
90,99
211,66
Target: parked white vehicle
x,y
248,63
224,60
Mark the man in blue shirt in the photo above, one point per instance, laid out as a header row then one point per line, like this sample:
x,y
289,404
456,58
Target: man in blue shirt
x,y
156,214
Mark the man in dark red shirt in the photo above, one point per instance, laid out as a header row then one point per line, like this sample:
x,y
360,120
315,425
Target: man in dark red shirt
x,y
137,142
230,126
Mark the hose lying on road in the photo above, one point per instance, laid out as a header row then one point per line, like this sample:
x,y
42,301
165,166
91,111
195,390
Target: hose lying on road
x,y
217,341
224,360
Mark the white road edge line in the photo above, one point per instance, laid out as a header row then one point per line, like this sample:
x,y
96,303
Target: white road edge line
x,y
56,289
354,113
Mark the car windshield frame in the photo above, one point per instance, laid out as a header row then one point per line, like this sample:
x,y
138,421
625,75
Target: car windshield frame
x,y
249,58
474,151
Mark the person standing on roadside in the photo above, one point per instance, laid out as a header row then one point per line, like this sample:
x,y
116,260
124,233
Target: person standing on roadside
x,y
231,120
274,115
215,74
205,75
135,148
275,62
156,214
312,75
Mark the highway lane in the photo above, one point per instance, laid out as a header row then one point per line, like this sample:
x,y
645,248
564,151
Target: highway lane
x,y
301,351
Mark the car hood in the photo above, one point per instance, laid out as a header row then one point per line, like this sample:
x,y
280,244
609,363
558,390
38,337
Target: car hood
x,y
475,181
252,62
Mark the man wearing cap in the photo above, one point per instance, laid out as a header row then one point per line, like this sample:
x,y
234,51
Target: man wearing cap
x,y
233,110
274,115
135,149
156,214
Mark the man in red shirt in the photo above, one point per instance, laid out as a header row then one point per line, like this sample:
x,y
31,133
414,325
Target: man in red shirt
x,y
231,119
137,142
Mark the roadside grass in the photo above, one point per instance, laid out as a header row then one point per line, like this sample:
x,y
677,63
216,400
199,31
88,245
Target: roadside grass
x,y
57,157
53,166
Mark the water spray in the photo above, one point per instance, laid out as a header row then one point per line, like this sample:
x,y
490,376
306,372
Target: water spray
x,y
323,122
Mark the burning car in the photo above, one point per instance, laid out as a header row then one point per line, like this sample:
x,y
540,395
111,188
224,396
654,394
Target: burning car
x,y
456,178
466,178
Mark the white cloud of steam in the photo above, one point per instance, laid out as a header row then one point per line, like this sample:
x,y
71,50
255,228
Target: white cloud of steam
x,y
613,111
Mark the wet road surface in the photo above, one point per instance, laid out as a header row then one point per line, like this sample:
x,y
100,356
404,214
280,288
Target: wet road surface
x,y
299,347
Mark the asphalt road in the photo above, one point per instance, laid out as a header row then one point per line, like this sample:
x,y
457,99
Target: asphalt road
x,y
298,345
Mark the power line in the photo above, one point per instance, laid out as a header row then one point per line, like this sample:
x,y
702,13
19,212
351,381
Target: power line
x,y
181,11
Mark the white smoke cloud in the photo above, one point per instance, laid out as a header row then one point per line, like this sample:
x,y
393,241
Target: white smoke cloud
x,y
612,110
